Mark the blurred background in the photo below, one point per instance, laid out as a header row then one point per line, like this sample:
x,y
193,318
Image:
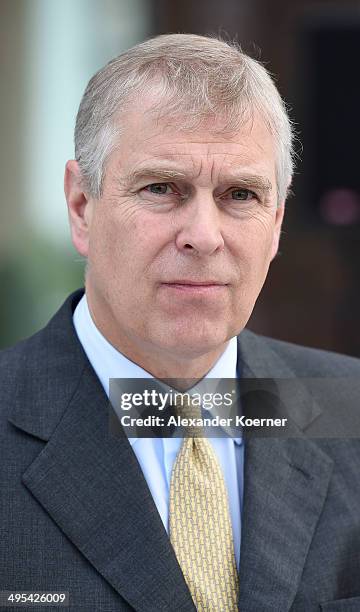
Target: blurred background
x,y
50,49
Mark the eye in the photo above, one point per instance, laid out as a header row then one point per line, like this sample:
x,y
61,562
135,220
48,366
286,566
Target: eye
x,y
158,188
242,194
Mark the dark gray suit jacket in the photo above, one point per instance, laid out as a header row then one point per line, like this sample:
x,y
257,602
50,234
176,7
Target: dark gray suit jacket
x,y
77,514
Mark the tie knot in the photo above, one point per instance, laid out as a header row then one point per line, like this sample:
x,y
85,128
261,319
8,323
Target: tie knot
x,y
189,411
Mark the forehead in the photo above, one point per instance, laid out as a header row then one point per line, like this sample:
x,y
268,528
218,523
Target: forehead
x,y
147,140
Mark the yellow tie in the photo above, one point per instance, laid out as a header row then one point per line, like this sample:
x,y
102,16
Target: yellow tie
x,y
199,523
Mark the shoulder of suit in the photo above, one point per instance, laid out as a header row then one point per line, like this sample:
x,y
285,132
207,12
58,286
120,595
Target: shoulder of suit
x,y
16,357
57,339
16,362
30,367
311,361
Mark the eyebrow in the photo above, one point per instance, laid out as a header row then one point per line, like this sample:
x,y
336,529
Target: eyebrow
x,y
247,180
254,181
160,173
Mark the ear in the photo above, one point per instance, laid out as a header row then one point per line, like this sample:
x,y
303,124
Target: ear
x,y
80,207
277,229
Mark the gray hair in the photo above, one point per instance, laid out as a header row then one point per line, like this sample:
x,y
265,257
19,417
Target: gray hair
x,y
197,78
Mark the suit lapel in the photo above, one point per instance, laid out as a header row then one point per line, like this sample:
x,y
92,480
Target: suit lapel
x,y
90,483
285,486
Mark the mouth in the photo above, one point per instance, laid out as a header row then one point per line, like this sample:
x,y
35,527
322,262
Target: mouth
x,y
193,283
196,287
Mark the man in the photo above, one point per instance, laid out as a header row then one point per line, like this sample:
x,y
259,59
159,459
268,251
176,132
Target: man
x,y
176,200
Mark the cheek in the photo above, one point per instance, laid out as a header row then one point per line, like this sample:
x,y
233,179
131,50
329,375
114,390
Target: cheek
x,y
124,250
261,235
254,238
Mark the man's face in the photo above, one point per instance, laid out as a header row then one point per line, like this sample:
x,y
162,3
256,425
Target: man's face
x,y
180,242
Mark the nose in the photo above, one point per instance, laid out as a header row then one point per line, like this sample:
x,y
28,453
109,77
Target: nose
x,y
200,229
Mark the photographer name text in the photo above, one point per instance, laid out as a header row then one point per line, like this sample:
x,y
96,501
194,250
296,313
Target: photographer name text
x,y
216,421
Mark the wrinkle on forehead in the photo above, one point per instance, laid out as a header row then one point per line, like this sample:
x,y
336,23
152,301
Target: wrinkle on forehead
x,y
183,153
142,120
243,146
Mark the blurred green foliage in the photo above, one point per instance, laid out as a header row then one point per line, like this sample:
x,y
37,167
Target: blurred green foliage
x,y
35,278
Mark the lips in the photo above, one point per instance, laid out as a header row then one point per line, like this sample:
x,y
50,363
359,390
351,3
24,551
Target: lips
x,y
192,283
209,289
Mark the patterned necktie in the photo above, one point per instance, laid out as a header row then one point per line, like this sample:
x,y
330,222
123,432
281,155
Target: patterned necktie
x,y
199,522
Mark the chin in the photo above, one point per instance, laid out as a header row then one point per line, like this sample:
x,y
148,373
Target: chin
x,y
191,341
